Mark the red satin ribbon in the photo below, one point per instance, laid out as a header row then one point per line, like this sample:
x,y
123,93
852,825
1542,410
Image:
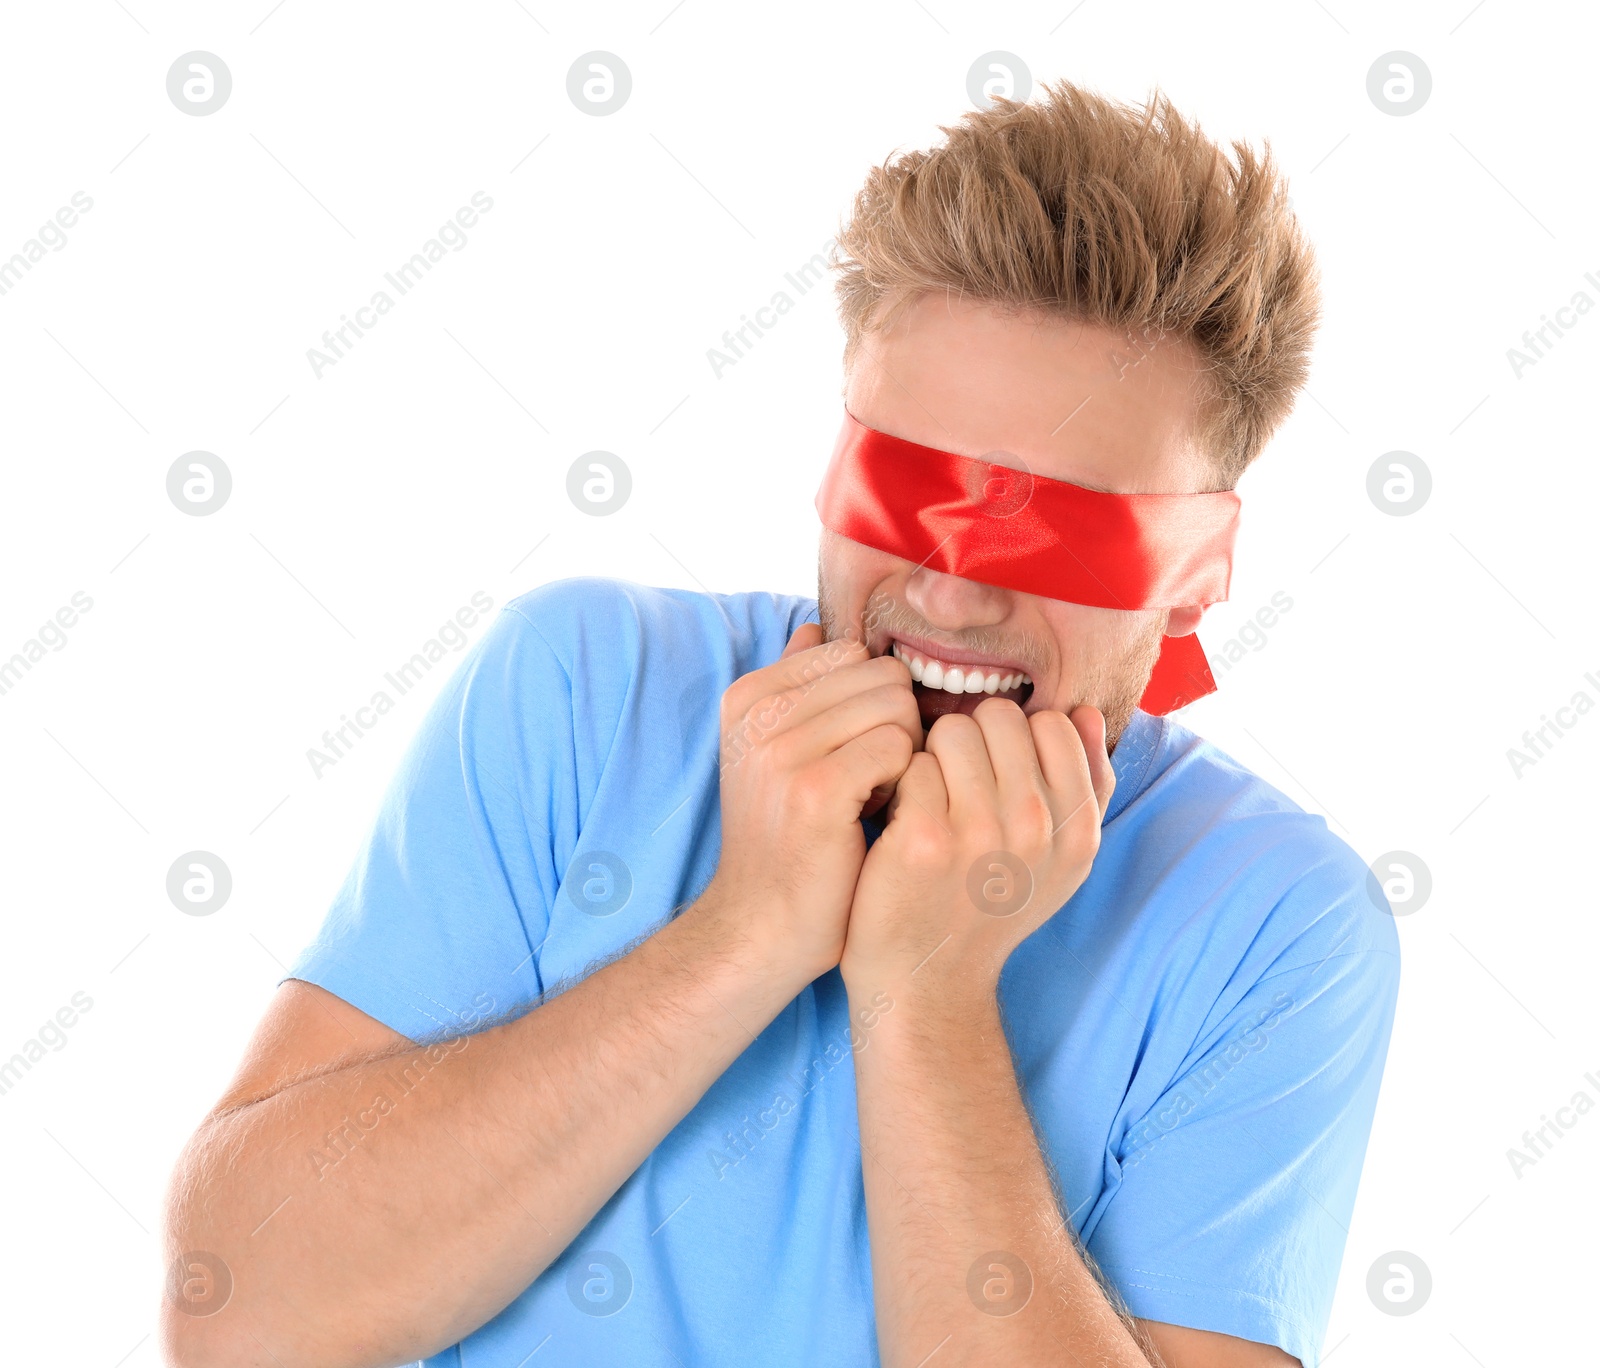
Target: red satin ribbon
x,y
1008,527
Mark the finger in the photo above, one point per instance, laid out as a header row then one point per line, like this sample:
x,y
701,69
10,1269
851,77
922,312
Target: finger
x,y
806,636
790,690
870,762
1009,740
956,742
823,694
794,667
1091,727
853,716
922,787
1061,761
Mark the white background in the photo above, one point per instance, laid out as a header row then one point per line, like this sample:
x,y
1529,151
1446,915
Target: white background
x,y
370,503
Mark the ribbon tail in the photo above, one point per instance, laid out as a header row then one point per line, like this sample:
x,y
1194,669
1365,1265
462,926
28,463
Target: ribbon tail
x,y
1181,675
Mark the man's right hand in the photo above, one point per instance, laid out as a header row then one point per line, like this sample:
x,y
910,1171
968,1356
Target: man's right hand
x,y
476,1181
809,743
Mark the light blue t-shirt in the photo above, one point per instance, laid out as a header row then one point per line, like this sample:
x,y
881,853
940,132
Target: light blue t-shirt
x,y
1199,1032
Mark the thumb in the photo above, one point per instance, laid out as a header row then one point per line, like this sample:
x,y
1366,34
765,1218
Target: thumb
x,y
806,635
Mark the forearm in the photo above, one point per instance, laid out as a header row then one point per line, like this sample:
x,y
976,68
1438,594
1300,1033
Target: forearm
x,y
373,1215
953,1174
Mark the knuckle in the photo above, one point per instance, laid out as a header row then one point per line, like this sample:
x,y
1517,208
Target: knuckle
x,y
891,666
897,706
778,751
947,728
996,706
842,651
1034,823
807,673
924,846
902,751
810,793
1048,720
736,741
769,711
1080,833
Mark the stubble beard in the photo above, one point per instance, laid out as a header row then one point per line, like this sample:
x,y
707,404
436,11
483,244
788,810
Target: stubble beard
x,y
1113,684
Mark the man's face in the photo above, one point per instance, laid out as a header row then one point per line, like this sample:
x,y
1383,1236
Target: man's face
x,y
1067,401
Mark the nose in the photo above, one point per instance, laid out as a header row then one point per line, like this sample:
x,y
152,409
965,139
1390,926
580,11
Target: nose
x,y
948,603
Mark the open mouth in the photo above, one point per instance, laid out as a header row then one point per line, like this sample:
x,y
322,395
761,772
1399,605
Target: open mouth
x,y
943,686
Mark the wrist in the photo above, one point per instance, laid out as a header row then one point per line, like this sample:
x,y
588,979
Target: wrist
x,y
931,1007
749,944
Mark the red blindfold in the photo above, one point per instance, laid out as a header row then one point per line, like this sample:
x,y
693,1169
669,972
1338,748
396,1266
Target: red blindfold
x,y
998,525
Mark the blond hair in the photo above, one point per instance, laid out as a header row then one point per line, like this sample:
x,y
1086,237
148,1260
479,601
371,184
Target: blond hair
x,y
1091,209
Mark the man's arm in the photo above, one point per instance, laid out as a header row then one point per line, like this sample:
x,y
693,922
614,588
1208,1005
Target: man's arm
x,y
447,1198
1179,1346
971,1256
401,1238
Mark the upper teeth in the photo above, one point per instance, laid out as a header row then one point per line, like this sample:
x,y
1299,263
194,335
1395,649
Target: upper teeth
x,y
935,674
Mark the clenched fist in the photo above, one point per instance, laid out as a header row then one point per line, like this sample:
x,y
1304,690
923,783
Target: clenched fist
x,y
992,827
809,743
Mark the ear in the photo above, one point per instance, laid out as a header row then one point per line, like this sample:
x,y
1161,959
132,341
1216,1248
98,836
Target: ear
x,y
1183,621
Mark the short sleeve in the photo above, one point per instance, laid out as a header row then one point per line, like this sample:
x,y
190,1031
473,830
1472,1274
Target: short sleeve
x,y
1236,1186
436,925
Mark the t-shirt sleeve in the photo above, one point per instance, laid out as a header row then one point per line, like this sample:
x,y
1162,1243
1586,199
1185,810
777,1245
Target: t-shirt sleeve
x,y
1236,1186
436,927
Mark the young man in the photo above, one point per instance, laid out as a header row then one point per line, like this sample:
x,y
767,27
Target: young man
x,y
951,1008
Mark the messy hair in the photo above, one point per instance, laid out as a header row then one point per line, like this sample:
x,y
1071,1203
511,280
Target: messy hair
x,y
1078,206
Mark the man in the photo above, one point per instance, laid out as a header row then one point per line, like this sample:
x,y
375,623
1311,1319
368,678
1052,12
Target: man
x,y
949,1007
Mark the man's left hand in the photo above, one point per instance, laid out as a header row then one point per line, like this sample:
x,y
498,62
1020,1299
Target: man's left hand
x,y
992,828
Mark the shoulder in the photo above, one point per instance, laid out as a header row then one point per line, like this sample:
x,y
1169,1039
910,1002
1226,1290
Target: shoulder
x,y
1277,880
634,670
589,620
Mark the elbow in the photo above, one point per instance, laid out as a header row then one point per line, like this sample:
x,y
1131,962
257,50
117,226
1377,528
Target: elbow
x,y
201,1321
190,1341
199,1324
